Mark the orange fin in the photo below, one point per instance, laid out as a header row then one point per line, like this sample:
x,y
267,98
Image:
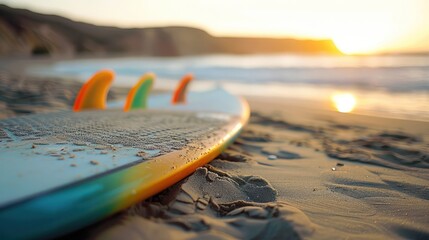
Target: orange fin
x,y
137,96
93,93
179,95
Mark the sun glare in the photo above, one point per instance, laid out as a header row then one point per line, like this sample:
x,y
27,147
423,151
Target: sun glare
x,y
344,102
364,33
351,44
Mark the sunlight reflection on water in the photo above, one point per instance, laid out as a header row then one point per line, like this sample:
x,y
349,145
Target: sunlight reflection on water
x,y
344,102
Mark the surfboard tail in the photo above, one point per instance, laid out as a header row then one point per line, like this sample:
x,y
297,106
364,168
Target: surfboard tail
x,y
93,93
138,95
179,94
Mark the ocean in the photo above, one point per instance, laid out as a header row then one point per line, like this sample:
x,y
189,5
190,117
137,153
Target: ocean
x,y
394,86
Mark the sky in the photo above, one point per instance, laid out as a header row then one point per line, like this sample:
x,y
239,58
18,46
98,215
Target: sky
x,y
355,26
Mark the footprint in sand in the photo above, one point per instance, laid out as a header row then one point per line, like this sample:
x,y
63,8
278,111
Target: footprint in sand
x,y
209,204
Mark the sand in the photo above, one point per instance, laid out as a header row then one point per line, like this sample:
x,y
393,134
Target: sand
x,y
296,171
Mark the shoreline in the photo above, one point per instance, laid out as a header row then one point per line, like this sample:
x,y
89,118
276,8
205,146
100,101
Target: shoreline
x,y
407,104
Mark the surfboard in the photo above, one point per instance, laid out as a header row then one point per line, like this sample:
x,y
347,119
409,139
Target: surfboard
x,y
62,171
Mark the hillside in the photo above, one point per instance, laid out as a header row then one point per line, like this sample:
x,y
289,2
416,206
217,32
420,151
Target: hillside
x,y
25,33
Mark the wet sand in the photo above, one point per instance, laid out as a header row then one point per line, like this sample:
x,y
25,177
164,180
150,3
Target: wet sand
x,y
296,171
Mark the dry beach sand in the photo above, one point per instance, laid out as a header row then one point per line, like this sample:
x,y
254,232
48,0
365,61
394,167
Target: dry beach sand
x,y
296,171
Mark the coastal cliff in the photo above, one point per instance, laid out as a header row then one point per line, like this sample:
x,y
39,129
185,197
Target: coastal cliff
x,y
26,33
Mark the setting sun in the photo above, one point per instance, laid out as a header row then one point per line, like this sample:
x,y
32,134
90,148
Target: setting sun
x,y
344,102
360,42
367,32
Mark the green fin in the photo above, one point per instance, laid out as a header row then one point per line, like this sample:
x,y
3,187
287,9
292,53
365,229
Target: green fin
x,y
137,97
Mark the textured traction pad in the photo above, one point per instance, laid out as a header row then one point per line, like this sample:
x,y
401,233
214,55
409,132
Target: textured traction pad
x,y
150,130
